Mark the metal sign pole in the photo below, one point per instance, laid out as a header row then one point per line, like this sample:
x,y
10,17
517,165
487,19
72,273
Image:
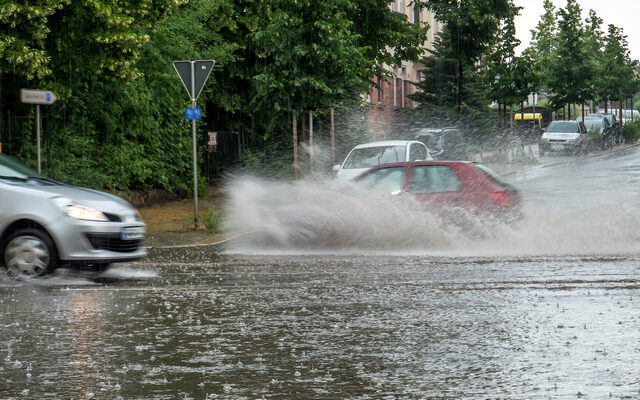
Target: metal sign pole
x,y
38,133
195,156
37,97
193,75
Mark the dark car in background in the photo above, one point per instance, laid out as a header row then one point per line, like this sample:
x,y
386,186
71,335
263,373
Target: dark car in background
x,y
443,143
602,128
443,186
45,224
615,134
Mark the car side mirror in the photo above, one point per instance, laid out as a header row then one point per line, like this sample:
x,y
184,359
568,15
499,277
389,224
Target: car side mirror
x,y
336,168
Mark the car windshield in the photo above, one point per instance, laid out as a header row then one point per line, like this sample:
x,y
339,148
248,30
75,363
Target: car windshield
x,y
12,168
593,123
563,127
368,157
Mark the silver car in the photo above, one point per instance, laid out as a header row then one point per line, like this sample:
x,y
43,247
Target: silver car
x,y
45,224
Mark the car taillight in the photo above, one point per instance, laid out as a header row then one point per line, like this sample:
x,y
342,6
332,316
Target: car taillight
x,y
503,199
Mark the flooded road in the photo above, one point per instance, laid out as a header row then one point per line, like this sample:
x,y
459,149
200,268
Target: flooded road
x,y
547,312
326,328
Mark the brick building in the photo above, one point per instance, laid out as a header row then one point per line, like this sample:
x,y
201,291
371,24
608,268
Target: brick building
x,y
393,92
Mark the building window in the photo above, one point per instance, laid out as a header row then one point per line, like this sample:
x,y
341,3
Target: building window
x,y
416,14
379,91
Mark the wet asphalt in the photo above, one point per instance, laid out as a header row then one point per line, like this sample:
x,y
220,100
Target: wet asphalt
x,y
549,311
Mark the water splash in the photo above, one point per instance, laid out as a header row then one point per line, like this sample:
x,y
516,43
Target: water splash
x,y
329,216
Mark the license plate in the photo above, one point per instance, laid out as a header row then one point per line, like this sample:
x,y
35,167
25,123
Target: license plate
x,y
136,233
557,147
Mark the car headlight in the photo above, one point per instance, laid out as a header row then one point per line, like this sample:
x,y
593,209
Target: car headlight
x,y
76,211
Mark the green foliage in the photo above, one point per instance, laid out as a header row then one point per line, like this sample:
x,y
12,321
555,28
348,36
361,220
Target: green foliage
x,y
543,44
212,219
24,27
572,70
472,27
595,138
631,131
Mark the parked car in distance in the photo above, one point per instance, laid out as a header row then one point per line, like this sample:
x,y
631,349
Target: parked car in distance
x,y
367,155
627,115
447,185
45,224
602,127
564,136
443,143
615,133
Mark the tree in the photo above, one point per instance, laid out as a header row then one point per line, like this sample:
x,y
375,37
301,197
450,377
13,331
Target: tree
x,y
24,27
620,80
542,48
504,73
472,26
573,70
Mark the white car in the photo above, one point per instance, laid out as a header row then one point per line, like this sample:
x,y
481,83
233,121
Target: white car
x,y
45,224
565,136
367,155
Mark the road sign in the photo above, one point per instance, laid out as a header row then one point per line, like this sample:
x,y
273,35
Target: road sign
x,y
35,96
213,139
193,113
193,75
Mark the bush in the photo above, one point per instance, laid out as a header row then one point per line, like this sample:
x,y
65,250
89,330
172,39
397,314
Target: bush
x,y
631,131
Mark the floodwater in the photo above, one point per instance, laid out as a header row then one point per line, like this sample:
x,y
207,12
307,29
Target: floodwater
x,y
549,310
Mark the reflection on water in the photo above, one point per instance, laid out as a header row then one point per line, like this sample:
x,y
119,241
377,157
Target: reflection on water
x,y
331,327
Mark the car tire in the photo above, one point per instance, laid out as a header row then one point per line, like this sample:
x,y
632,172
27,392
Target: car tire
x,y
29,252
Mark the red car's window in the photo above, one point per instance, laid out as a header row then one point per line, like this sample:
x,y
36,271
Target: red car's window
x,y
433,179
385,180
493,177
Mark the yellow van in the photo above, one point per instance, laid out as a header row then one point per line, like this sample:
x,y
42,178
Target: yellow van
x,y
537,117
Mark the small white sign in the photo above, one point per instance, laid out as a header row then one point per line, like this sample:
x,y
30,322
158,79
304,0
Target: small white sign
x,y
36,96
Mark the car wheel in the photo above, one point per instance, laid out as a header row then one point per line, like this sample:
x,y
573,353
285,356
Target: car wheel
x,y
29,252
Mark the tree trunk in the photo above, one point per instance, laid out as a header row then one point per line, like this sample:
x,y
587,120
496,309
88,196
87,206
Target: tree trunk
x,y
621,122
294,124
459,88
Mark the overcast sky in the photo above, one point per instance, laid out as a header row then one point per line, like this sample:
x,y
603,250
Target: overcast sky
x,y
622,13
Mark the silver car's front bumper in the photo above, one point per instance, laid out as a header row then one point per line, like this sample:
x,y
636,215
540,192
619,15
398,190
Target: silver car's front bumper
x,y
80,241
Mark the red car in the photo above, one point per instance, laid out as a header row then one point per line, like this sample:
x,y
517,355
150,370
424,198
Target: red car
x,y
447,185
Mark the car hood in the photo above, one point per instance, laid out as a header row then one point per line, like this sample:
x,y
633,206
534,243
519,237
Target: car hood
x,y
560,136
88,197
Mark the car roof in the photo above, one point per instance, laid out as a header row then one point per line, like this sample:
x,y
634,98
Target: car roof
x,y
383,143
431,162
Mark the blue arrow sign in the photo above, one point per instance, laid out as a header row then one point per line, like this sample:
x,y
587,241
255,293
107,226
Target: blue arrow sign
x,y
193,113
